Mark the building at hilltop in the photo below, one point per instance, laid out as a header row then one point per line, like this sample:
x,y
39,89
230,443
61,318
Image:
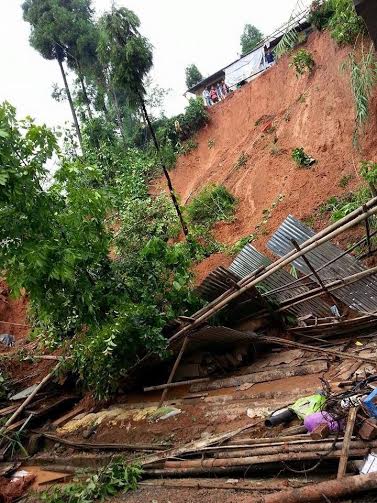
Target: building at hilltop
x,y
251,65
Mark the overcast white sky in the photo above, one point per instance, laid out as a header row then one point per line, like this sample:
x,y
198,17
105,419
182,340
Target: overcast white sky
x,y
206,33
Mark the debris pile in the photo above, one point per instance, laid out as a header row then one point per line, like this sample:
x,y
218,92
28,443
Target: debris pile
x,y
286,385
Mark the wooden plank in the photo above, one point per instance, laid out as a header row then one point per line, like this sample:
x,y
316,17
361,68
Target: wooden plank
x,y
67,417
8,410
267,376
346,442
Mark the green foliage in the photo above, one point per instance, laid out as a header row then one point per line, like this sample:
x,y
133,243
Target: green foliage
x,y
57,27
363,80
342,206
301,158
321,13
193,76
345,25
187,147
56,243
124,52
368,170
345,180
211,143
212,204
239,244
116,477
3,385
302,61
242,160
288,42
250,38
175,130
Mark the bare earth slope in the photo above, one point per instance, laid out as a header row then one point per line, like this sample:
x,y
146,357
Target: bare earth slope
x,y
315,112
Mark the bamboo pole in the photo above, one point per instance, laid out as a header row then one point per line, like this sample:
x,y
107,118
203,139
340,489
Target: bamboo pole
x,y
316,275
323,266
208,464
266,450
316,292
26,402
173,371
176,384
247,485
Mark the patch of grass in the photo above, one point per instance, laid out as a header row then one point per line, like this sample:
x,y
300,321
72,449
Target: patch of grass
x,y
301,98
239,245
303,62
211,143
309,221
242,160
339,207
363,80
187,146
345,180
301,158
118,476
213,204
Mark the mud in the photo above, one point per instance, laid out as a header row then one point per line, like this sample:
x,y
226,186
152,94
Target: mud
x,y
315,112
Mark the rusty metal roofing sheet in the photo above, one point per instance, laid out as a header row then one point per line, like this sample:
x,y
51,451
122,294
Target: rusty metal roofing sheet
x,y
212,337
249,259
361,295
355,326
217,282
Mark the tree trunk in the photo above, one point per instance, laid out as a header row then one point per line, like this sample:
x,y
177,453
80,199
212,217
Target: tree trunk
x,y
86,97
166,173
76,122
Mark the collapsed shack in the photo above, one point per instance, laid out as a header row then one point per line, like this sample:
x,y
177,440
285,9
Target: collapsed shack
x,y
271,383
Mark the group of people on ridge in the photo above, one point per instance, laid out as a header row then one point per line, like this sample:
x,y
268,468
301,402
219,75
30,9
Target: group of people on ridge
x,y
215,93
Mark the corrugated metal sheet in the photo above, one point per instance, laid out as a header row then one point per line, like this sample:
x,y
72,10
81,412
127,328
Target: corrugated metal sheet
x,y
249,259
216,283
360,325
361,295
214,337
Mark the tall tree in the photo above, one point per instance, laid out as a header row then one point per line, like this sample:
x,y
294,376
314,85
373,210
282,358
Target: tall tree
x,y
129,58
55,25
250,38
193,75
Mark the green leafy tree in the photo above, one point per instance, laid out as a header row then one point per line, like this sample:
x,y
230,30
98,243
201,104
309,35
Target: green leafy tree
x,y
54,27
113,291
193,76
128,56
250,38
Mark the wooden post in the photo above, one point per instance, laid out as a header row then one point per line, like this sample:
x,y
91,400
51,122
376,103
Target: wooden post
x,y
173,371
314,272
346,442
367,228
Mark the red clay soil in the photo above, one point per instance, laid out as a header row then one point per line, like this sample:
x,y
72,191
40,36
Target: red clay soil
x,y
13,311
315,112
210,263
12,490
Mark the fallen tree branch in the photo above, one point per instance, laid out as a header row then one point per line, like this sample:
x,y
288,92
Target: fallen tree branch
x,y
195,445
26,402
100,446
